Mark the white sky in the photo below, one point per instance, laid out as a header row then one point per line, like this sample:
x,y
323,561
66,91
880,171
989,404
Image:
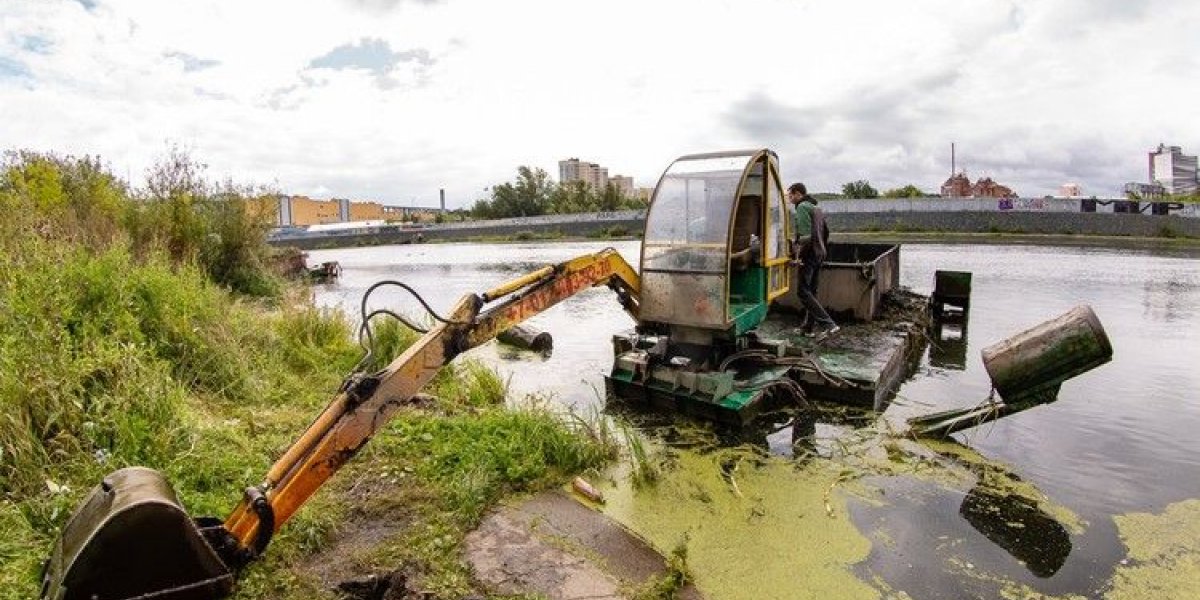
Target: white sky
x,y
390,100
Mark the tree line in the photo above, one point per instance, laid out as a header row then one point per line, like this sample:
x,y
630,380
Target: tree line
x,y
863,189
534,193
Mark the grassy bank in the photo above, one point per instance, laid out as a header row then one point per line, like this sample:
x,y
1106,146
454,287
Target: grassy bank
x,y
150,332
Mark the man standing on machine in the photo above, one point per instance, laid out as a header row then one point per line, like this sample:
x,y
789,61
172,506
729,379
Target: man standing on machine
x,y
809,247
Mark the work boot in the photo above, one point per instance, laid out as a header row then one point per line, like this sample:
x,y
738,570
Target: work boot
x,y
807,326
828,331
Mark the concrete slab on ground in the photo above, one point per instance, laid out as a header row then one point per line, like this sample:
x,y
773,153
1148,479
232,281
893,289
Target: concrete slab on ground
x,y
552,544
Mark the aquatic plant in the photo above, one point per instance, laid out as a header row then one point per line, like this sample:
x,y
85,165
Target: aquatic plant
x,y
644,469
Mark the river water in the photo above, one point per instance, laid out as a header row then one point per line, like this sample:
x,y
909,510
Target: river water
x,y
1118,445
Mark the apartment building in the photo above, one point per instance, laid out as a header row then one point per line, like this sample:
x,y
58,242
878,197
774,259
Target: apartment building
x,y
574,169
1172,169
1144,191
623,183
301,211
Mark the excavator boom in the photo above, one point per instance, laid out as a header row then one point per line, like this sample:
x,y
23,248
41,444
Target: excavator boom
x,y
364,404
369,402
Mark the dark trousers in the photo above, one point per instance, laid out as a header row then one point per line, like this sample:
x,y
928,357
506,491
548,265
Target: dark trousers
x,y
810,274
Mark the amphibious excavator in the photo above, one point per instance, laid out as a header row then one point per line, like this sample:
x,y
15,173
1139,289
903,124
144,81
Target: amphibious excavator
x,y
714,256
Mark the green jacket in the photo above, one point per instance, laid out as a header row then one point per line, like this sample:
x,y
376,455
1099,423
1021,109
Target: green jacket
x,y
805,218
802,218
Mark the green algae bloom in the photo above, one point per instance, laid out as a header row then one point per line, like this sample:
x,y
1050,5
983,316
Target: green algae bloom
x,y
776,530
1164,554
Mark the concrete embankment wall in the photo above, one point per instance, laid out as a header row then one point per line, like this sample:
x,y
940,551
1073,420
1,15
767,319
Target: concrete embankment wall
x,y
1034,216
1073,216
617,223
1136,225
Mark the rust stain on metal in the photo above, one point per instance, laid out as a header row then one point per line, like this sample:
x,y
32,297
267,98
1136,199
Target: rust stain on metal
x,y
701,305
541,298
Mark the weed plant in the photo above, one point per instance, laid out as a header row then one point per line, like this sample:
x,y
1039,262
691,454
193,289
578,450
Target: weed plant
x,y
645,468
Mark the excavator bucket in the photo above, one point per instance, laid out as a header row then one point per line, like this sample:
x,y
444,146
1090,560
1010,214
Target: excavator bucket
x,y
131,539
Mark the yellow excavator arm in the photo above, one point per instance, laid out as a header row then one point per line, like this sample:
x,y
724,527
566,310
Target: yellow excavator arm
x,y
367,402
131,539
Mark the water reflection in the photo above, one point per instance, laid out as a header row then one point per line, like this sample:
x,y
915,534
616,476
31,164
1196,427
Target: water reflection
x,y
515,354
1012,521
948,345
1017,525
1169,301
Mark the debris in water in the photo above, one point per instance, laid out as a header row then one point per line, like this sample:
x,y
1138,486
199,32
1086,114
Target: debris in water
x,y
1027,370
527,338
586,490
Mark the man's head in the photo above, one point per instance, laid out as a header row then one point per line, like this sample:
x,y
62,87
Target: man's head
x,y
796,192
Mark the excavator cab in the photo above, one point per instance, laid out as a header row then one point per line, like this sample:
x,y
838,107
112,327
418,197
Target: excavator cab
x,y
714,257
714,253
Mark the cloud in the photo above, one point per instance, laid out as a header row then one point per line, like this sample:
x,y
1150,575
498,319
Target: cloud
x,y
36,44
191,63
759,116
10,68
380,6
395,99
374,55
87,4
868,131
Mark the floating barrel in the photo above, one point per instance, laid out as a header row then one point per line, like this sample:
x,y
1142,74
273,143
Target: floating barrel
x,y
527,338
1030,365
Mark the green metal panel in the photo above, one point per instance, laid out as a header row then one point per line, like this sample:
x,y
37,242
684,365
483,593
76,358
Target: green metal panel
x,y
716,396
748,299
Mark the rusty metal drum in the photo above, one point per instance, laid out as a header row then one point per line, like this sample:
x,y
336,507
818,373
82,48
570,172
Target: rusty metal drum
x,y
1031,365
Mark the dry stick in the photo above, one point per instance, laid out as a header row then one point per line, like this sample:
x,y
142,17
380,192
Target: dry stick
x,y
732,481
825,497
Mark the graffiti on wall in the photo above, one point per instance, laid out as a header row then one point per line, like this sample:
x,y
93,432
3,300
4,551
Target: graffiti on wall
x,y
1021,203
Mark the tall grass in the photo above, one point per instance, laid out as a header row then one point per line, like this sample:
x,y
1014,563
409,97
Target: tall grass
x,y
219,227
477,459
64,197
106,361
109,358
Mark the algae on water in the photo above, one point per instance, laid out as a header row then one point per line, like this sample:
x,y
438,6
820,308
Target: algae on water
x,y
1164,554
764,526
772,531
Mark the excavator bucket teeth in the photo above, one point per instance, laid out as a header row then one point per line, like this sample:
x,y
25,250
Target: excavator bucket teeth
x,y
131,539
